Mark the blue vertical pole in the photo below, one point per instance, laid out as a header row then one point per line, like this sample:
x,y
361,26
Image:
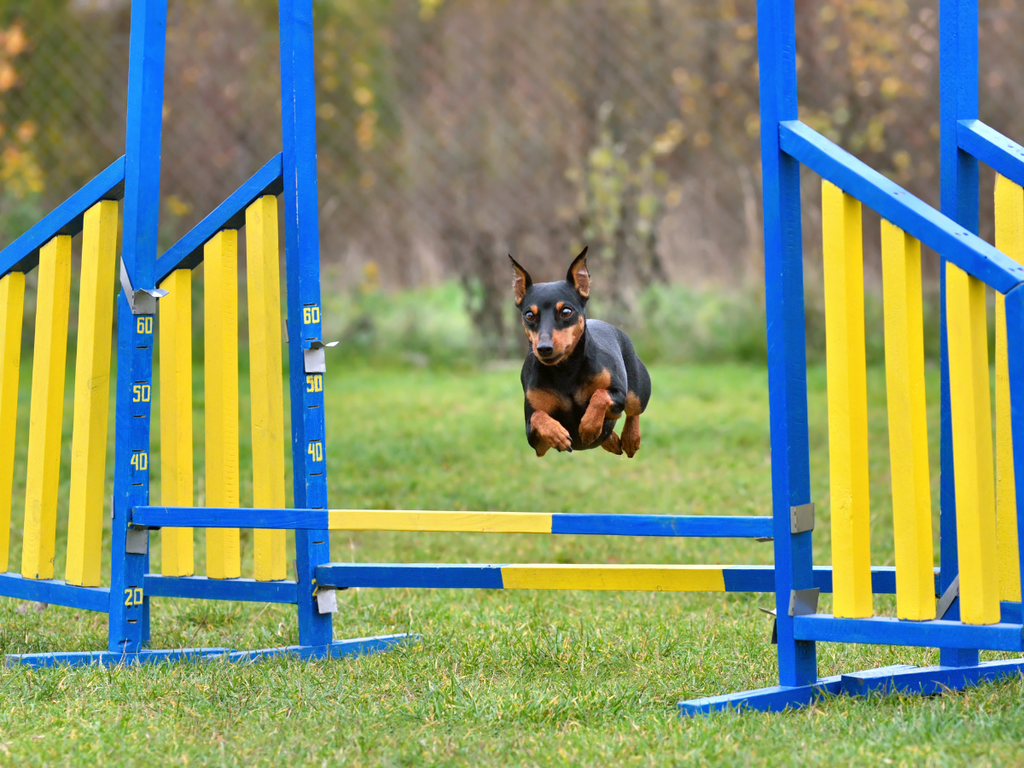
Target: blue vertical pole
x,y
302,256
958,89
787,355
128,617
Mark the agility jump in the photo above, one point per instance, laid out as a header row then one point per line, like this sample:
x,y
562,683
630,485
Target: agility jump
x,y
978,584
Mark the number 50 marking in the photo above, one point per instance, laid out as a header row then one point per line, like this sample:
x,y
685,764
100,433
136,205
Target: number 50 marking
x,y
133,596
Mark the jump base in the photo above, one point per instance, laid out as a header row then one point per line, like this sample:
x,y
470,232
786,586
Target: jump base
x,y
360,646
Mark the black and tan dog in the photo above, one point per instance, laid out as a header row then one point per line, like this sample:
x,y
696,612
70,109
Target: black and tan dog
x,y
581,374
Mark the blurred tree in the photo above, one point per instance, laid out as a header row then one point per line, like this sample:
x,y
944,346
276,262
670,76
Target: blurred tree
x,y
21,178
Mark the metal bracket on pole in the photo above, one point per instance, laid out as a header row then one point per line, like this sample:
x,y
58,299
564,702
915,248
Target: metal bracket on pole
x,y
136,541
326,600
801,518
803,602
143,300
313,358
775,624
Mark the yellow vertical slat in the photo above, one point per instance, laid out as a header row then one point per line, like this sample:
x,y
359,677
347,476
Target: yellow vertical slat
x,y
1010,240
176,544
220,260
973,470
908,424
266,379
92,394
12,311
847,402
49,359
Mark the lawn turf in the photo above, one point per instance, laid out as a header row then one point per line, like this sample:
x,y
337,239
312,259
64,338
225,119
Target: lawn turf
x,y
514,678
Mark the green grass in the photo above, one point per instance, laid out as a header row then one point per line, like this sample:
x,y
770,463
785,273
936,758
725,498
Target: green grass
x,y
517,678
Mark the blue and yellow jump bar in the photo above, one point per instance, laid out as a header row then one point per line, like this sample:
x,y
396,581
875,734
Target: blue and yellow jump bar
x,y
636,578
645,578
453,522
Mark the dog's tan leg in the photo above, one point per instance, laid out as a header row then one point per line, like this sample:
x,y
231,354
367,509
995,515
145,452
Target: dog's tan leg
x,y
550,433
631,436
631,429
593,420
612,444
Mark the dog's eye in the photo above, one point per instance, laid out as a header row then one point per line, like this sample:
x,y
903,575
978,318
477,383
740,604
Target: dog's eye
x,y
566,313
529,316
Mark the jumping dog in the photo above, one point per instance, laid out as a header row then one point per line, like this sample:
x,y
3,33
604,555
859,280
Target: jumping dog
x,y
581,375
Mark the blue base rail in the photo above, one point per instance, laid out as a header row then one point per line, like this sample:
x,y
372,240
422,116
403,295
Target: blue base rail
x,y
360,646
905,679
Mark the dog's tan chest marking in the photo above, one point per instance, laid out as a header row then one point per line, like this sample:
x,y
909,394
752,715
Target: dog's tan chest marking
x,y
547,401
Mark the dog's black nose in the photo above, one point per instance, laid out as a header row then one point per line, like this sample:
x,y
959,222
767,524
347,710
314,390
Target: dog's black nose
x,y
545,350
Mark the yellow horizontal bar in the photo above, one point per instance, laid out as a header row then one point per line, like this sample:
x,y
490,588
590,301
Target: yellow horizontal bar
x,y
637,578
440,522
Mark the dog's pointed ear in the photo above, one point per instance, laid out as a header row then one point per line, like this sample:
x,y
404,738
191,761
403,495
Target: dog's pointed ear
x,y
578,275
521,282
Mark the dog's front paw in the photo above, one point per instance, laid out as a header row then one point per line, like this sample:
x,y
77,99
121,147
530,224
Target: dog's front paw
x,y
551,433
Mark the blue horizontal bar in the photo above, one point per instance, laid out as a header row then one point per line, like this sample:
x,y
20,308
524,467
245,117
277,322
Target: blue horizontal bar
x,y
662,525
230,517
410,575
1003,155
775,699
201,588
66,219
896,205
926,681
888,631
187,253
55,592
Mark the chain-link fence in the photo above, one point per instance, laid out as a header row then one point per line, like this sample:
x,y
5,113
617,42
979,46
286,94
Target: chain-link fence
x,y
453,131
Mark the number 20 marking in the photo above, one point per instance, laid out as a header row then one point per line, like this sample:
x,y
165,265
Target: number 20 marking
x,y
133,596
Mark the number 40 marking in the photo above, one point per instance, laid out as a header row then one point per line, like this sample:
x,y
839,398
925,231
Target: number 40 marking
x,y
316,450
